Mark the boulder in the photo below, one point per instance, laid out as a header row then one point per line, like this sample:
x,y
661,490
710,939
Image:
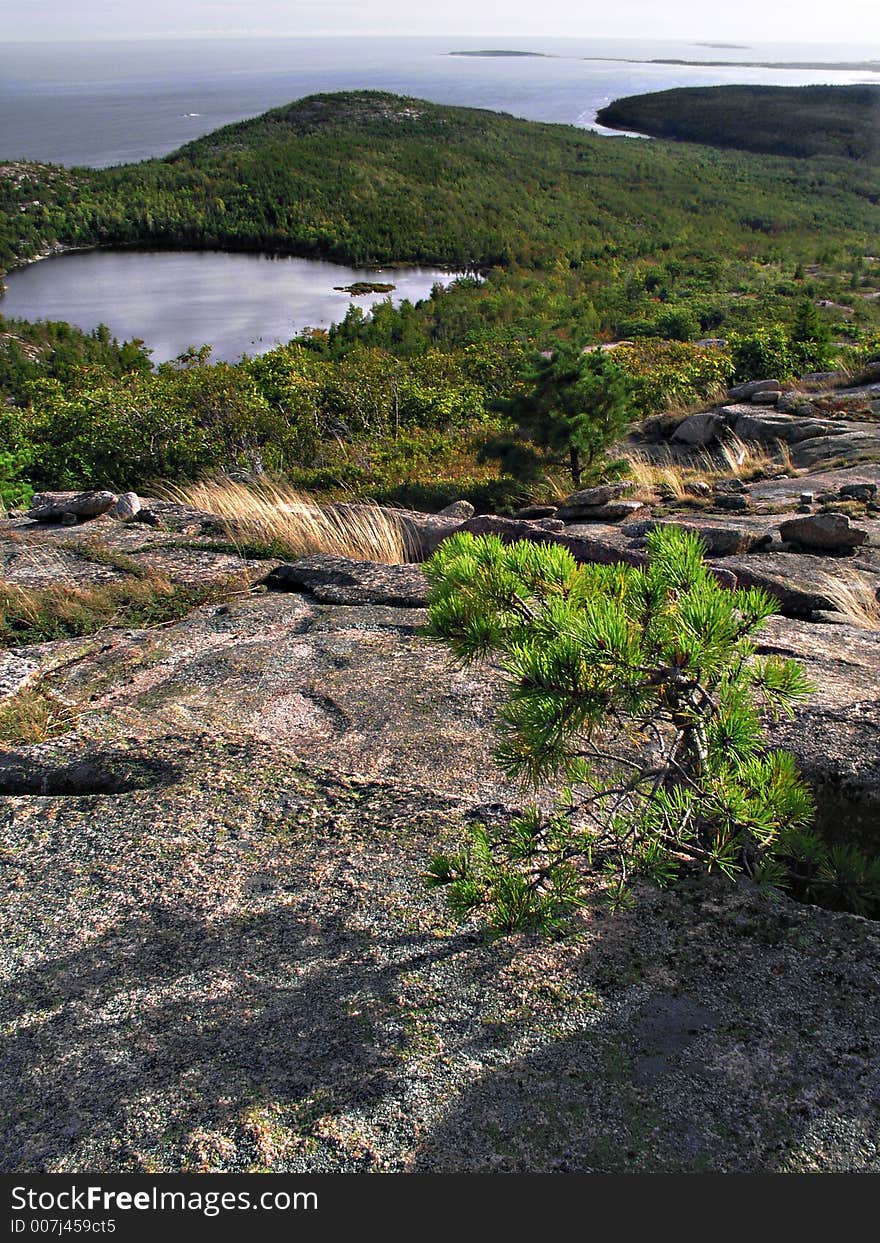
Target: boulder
x,y
827,532
699,429
148,517
126,507
533,512
848,445
589,498
614,511
745,392
764,398
583,546
53,506
340,580
789,577
832,379
423,532
720,541
770,427
794,403
864,492
458,509
732,502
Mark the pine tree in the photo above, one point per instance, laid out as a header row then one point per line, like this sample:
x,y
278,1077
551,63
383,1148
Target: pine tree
x,y
639,691
810,338
576,405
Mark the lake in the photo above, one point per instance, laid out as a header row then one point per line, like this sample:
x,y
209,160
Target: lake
x,y
237,303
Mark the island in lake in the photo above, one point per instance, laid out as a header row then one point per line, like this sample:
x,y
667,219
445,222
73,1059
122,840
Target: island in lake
x,y
364,287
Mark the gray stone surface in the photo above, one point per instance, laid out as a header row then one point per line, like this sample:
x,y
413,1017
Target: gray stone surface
x,y
53,506
340,580
849,445
127,506
699,429
219,953
788,427
745,392
829,531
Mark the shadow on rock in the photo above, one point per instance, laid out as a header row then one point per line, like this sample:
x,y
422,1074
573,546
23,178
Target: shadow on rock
x,y
169,1023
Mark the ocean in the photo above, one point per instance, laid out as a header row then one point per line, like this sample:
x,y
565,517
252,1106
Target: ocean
x,y
100,104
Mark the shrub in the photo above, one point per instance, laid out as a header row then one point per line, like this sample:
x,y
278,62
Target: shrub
x,y
15,489
640,691
763,353
673,374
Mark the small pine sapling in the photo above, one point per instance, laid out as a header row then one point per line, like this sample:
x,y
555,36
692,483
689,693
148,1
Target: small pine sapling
x,y
634,708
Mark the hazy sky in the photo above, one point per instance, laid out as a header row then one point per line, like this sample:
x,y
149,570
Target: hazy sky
x,y
794,21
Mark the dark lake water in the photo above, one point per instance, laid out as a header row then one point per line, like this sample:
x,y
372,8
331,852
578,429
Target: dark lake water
x,y
237,303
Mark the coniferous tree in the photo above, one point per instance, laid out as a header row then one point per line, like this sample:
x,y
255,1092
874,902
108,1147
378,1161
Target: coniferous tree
x,y
640,692
575,407
810,338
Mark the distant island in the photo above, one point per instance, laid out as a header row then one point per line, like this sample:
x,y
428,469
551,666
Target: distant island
x,y
498,52
740,47
858,66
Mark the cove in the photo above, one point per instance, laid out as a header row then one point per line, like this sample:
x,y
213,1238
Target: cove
x,y
236,303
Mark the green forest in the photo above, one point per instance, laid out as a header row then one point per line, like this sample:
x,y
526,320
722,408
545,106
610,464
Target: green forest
x,y
564,238
801,121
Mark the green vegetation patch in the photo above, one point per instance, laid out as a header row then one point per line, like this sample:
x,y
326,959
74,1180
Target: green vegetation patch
x,y
37,615
801,121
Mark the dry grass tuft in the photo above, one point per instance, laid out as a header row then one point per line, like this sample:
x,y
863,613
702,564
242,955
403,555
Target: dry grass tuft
x,y
739,459
272,519
746,459
667,477
61,611
853,595
32,715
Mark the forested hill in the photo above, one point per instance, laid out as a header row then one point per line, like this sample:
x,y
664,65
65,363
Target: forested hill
x,y
370,177
578,230
800,121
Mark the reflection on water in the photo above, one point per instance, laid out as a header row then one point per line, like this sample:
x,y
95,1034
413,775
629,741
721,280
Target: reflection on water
x,y
237,303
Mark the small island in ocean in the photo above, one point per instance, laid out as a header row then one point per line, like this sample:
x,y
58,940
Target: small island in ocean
x,y
498,52
364,287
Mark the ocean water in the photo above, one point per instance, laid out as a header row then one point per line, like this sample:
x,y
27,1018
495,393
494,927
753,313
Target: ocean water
x,y
100,104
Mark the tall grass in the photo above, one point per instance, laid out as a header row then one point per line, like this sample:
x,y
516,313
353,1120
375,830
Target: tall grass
x,y
734,458
746,459
272,519
853,595
32,715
